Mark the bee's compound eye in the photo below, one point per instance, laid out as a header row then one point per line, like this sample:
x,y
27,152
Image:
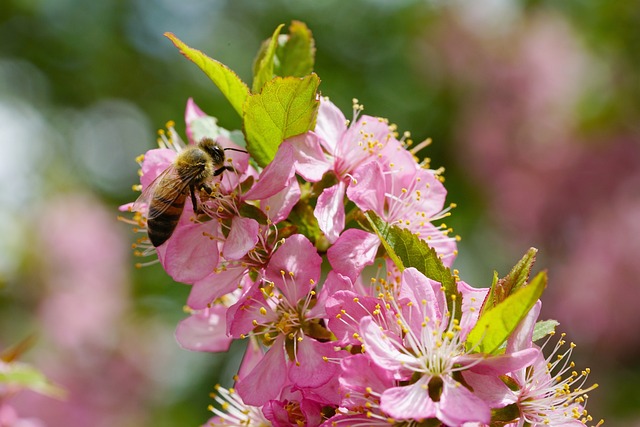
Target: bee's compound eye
x,y
213,149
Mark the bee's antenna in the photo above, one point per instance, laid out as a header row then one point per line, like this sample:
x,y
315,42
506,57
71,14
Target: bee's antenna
x,y
234,149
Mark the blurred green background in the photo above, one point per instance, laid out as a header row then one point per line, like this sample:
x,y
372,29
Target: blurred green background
x,y
533,106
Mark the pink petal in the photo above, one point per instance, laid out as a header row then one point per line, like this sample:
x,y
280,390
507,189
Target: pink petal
x,y
472,300
330,125
215,285
192,113
155,162
241,315
459,405
357,419
408,402
416,287
266,380
522,337
190,254
358,375
333,283
354,250
367,188
344,326
311,161
312,412
310,369
275,176
243,237
326,394
383,349
252,356
490,388
368,131
128,207
297,255
395,154
276,413
433,191
329,211
501,364
204,330
278,207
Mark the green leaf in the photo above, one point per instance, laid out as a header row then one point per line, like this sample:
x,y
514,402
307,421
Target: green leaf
x,y
496,325
250,211
263,64
23,376
517,278
302,217
544,328
287,106
296,52
408,250
227,81
506,414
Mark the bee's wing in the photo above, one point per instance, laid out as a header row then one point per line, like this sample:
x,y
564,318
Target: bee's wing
x,y
168,185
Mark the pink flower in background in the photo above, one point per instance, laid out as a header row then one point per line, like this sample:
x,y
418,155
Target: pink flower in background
x,y
518,122
86,282
570,191
600,266
10,418
84,316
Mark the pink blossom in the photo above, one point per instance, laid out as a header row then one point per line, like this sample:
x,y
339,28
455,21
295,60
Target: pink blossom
x,y
204,330
292,409
193,252
9,418
346,148
549,391
277,308
329,211
428,354
352,251
362,382
410,198
233,274
346,309
220,282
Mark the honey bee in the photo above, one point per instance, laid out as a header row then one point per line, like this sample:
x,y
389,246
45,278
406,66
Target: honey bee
x,y
189,173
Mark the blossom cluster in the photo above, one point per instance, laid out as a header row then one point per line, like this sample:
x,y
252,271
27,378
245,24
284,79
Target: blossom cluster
x,y
343,328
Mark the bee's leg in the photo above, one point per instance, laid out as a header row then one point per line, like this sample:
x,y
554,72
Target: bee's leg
x,y
206,189
222,169
192,190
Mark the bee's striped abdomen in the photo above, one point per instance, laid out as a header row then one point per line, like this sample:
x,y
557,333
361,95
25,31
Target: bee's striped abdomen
x,y
161,227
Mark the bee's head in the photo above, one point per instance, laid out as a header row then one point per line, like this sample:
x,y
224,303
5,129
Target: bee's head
x,y
213,149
